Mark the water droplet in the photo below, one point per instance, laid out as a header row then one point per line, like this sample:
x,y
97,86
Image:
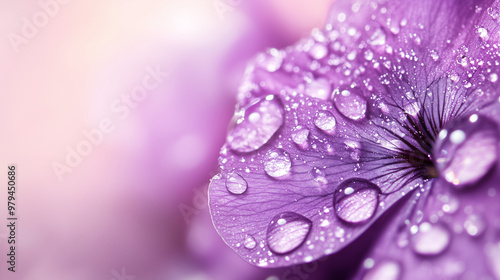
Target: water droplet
x,y
249,242
319,88
341,17
430,239
368,263
378,38
483,33
235,184
287,231
318,51
457,137
325,121
356,200
493,77
385,270
434,55
300,136
271,60
451,205
475,225
466,154
350,103
277,163
253,126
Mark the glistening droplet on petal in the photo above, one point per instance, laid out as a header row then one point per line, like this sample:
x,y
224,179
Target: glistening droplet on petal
x,y
350,103
287,231
318,51
325,121
431,239
235,184
249,242
356,200
475,225
253,126
300,136
378,38
319,88
385,270
271,60
468,151
277,163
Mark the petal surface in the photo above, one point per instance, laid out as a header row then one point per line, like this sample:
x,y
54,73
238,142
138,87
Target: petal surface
x,y
330,132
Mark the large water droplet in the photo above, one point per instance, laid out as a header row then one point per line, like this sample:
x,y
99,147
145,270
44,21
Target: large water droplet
x,y
277,163
287,231
325,121
356,200
319,88
430,239
350,103
468,150
385,270
235,184
249,242
253,126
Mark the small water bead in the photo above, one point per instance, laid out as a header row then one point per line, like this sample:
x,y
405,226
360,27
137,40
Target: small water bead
x,y
325,121
235,184
318,51
483,33
356,200
434,55
378,38
457,137
271,60
319,88
319,177
277,163
468,151
253,126
368,55
287,231
300,136
431,239
493,77
475,225
249,242
385,270
368,263
451,206
350,103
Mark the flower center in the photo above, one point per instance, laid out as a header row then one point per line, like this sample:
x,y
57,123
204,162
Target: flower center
x,y
419,153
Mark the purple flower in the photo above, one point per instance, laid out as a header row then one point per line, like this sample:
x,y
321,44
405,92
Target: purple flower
x,y
391,109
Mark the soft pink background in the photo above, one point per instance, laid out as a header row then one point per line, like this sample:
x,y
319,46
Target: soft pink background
x,y
120,207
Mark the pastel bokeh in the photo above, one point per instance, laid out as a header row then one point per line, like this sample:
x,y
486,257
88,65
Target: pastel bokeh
x,y
114,113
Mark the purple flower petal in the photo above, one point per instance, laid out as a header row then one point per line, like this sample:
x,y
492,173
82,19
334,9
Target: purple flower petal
x,y
442,233
336,129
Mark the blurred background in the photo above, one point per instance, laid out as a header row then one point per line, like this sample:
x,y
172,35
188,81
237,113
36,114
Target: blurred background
x,y
114,113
